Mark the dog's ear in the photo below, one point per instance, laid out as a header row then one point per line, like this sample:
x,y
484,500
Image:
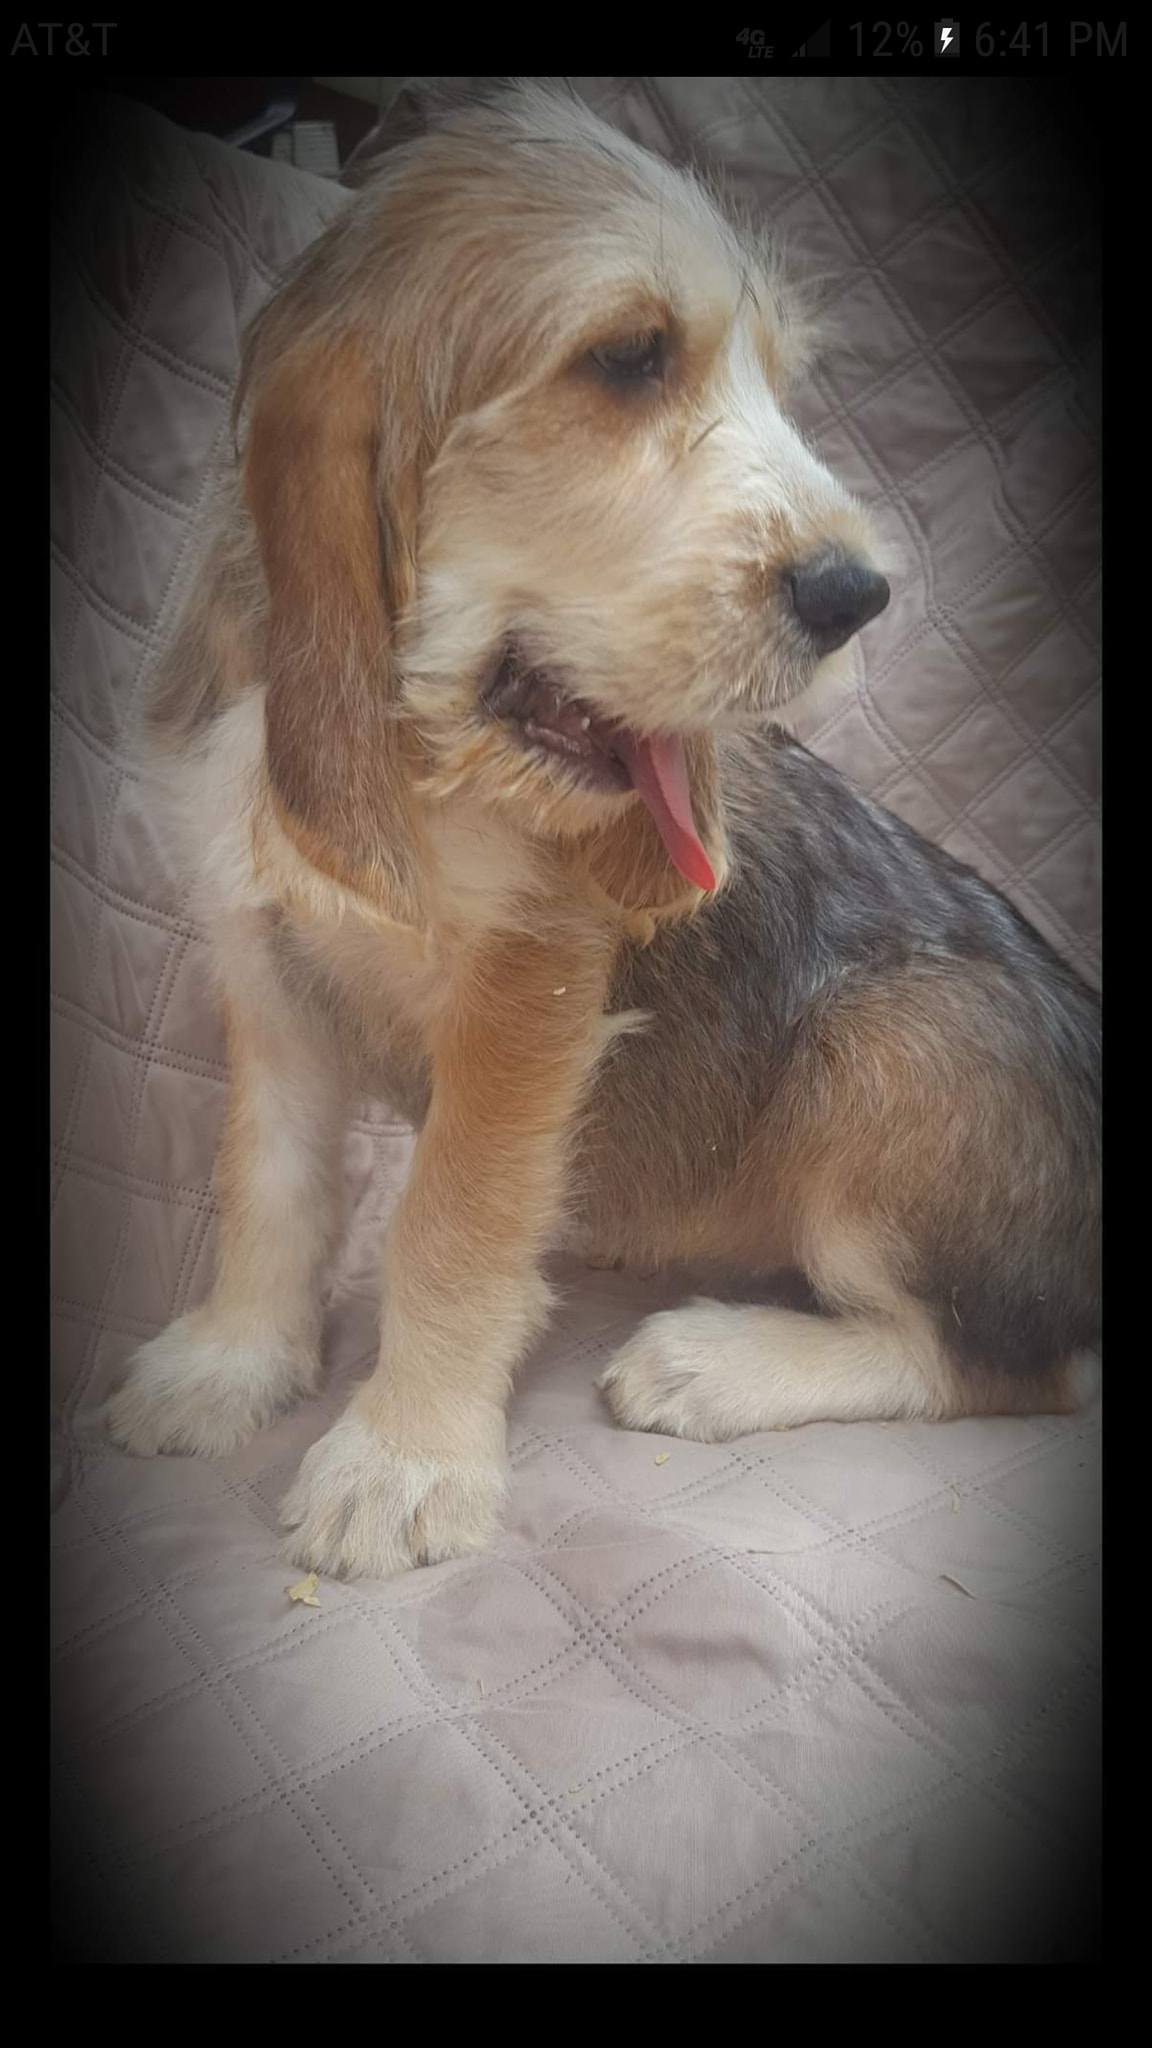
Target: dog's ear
x,y
336,533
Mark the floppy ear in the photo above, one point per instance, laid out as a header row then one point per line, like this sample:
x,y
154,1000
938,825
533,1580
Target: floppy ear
x,y
336,542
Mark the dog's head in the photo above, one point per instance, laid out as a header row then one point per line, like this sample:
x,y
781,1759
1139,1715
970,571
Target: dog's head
x,y
523,484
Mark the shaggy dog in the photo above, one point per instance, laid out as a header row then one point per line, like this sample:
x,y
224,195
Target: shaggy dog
x,y
470,717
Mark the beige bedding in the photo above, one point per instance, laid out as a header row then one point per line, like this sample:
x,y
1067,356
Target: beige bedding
x,y
828,1695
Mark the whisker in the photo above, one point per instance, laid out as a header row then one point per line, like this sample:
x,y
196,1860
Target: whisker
x,y
703,436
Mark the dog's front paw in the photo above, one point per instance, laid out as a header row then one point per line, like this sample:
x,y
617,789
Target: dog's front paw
x,y
193,1390
673,1375
363,1508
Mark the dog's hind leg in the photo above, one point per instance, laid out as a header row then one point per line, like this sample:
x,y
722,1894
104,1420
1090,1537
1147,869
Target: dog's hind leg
x,y
934,1147
712,1371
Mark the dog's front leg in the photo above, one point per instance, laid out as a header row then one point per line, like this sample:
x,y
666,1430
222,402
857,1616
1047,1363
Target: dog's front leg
x,y
415,1469
229,1367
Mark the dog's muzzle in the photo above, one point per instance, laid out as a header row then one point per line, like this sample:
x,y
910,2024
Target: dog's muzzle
x,y
602,754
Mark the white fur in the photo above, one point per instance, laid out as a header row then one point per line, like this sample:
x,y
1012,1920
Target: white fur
x,y
710,1372
203,1388
360,1506
1087,1376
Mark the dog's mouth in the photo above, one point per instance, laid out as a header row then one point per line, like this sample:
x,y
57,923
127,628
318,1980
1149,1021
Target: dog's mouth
x,y
603,755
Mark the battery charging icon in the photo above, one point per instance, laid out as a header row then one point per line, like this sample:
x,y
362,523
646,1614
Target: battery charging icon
x,y
947,38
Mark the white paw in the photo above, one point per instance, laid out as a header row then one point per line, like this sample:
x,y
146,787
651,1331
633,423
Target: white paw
x,y
675,1375
361,1508
192,1390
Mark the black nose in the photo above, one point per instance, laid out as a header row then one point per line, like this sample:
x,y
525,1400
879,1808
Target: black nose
x,y
834,596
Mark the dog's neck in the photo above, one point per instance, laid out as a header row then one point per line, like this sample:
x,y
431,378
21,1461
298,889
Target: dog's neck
x,y
461,852
629,864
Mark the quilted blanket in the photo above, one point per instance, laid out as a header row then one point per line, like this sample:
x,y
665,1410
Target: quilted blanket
x,y
819,1696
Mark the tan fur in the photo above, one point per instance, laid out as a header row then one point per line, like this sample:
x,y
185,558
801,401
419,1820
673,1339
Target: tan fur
x,y
396,893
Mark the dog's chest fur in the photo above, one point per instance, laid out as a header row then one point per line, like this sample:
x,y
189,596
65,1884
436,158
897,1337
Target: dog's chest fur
x,y
377,988
373,983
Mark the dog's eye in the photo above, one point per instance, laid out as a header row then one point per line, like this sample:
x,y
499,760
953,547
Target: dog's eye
x,y
636,361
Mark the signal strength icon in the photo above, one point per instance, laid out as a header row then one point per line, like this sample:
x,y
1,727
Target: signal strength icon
x,y
818,44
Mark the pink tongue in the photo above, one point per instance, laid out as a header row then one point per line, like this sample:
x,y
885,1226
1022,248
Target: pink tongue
x,y
660,778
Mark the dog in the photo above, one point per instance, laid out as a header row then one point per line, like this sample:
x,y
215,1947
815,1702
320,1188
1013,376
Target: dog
x,y
471,718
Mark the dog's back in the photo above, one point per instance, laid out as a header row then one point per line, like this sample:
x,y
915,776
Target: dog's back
x,y
857,1005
